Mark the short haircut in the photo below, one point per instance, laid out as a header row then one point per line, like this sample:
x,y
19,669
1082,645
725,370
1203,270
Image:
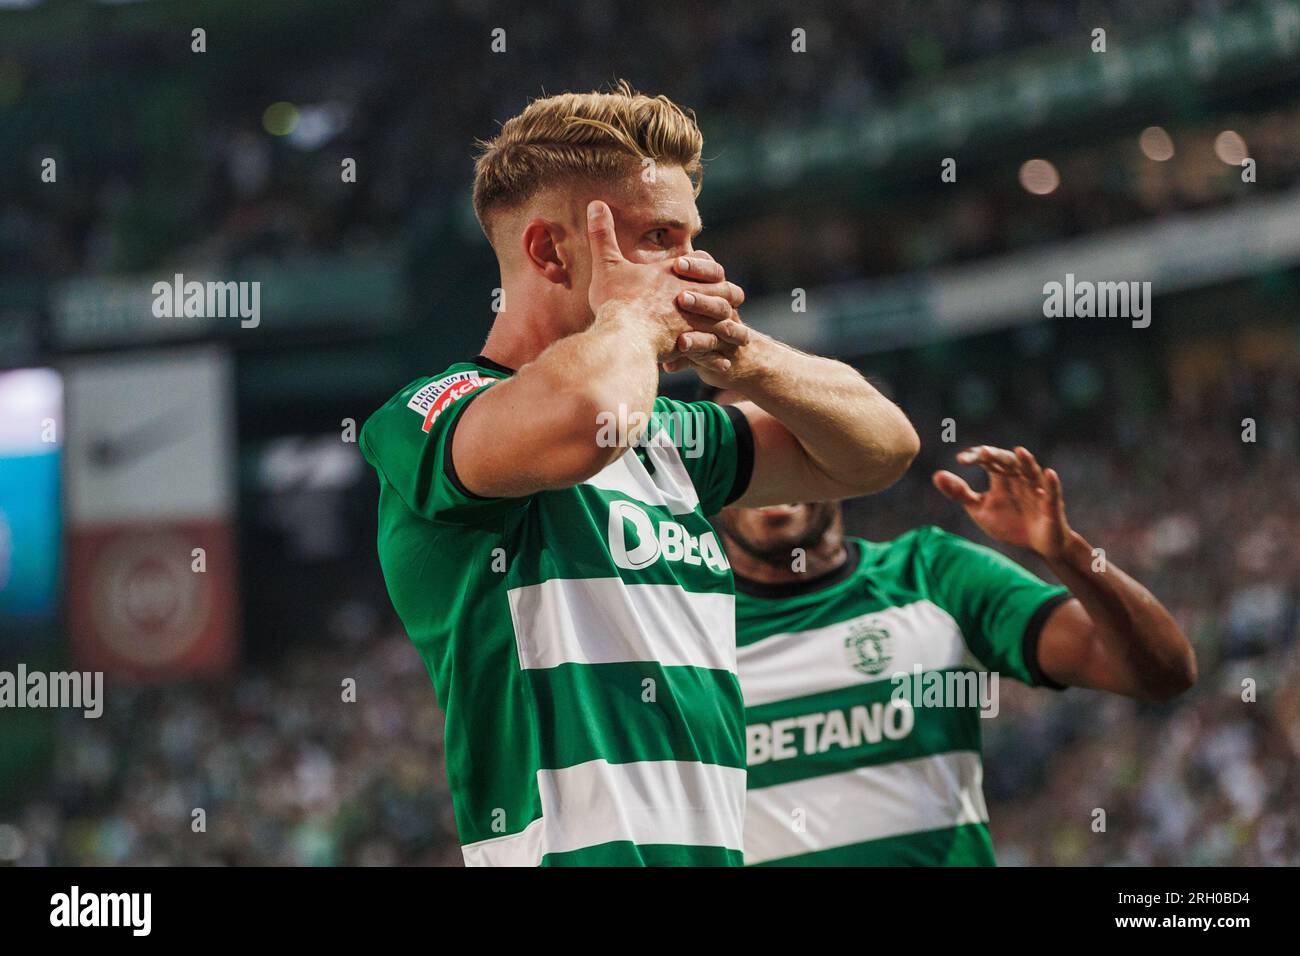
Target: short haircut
x,y
600,136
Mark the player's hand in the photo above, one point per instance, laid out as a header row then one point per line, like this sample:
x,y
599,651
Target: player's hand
x,y
651,290
1023,505
717,331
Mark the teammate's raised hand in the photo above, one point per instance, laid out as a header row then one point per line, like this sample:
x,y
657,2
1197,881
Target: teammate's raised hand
x,y
1023,505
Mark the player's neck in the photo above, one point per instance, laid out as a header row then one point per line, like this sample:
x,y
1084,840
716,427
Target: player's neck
x,y
818,560
524,328
515,344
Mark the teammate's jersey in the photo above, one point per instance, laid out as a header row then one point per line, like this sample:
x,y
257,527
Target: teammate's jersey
x,y
847,765
581,642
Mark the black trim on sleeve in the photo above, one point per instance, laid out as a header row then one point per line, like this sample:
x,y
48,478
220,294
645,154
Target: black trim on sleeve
x,y
448,466
485,362
1033,633
744,453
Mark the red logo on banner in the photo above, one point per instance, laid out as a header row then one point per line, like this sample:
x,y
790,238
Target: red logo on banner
x,y
139,608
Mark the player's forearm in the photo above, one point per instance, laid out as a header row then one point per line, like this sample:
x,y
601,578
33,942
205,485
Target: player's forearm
x,y
1138,632
613,362
855,436
609,369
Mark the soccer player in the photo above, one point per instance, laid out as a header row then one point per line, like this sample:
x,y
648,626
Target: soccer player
x,y
859,661
542,513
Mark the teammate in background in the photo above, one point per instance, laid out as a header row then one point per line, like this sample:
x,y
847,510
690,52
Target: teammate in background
x,y
569,598
848,765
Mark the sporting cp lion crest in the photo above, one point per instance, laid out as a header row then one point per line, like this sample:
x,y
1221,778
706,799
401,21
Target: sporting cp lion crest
x,y
868,648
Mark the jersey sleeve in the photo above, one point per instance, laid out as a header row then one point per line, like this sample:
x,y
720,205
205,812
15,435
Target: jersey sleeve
x,y
715,444
408,441
1000,607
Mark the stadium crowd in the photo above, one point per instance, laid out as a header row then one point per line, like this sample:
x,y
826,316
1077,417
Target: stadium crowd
x,y
285,771
168,172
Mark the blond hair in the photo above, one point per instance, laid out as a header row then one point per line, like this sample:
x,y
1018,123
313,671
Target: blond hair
x,y
593,135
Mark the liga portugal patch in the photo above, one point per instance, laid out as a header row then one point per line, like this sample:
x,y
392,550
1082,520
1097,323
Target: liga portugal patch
x,y
436,397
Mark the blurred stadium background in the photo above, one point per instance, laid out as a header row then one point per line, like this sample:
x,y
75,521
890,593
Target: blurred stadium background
x,y
824,175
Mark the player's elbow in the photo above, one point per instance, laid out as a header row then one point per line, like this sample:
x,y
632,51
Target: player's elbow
x,y
1184,674
905,448
889,460
1177,677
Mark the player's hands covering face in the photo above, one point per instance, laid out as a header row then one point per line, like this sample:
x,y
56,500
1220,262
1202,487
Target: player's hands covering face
x,y
717,333
688,294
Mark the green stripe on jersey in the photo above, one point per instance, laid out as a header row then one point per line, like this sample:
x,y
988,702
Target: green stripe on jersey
x,y
622,853
966,845
581,641
845,768
600,712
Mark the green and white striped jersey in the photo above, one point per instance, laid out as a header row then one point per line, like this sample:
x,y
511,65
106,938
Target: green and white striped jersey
x,y
844,770
581,641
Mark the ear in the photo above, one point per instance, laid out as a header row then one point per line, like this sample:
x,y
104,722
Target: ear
x,y
543,250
